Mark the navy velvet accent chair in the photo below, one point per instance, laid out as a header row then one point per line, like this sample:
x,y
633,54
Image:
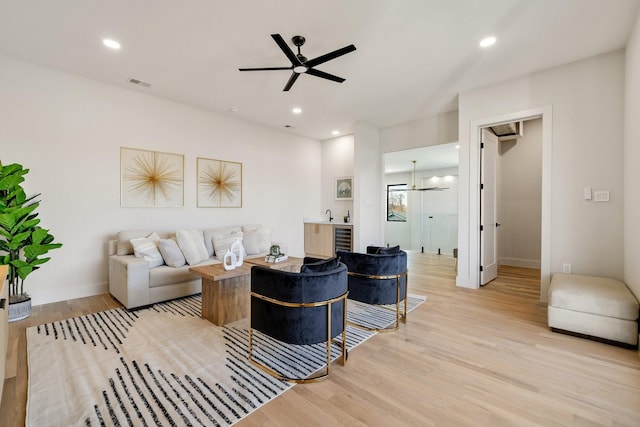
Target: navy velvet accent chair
x,y
302,308
378,277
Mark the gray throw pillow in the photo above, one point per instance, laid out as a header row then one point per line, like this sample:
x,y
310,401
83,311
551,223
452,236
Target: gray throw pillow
x,y
191,243
171,253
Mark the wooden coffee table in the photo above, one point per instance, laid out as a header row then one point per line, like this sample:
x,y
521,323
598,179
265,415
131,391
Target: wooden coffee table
x,y
291,264
225,293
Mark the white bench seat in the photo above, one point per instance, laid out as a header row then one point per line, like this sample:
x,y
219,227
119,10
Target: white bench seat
x,y
594,306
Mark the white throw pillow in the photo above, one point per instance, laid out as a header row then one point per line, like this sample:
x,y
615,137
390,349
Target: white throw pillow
x,y
250,242
264,239
147,248
124,240
208,236
222,242
191,243
171,253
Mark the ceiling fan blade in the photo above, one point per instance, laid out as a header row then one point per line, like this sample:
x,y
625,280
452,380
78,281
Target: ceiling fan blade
x,y
329,56
292,80
264,69
432,189
286,49
324,75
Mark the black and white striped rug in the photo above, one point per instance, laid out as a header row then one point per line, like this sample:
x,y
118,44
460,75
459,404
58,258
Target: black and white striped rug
x,y
165,365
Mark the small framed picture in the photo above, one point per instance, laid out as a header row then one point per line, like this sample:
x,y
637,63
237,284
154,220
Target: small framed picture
x,y
344,188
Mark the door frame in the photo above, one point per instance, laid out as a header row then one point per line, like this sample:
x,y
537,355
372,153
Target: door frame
x,y
546,114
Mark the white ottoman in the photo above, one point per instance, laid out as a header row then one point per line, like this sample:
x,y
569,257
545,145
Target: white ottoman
x,y
595,306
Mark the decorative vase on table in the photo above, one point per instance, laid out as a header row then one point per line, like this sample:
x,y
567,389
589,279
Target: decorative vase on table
x,y
229,260
238,251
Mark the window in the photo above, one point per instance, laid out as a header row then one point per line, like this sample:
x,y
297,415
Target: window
x,y
397,202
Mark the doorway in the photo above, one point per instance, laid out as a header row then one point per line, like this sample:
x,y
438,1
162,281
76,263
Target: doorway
x,y
469,262
421,188
511,198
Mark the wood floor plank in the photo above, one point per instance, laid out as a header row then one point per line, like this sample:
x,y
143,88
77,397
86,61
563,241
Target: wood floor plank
x,y
464,358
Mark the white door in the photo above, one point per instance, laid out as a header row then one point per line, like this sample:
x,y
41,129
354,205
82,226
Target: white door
x,y
488,222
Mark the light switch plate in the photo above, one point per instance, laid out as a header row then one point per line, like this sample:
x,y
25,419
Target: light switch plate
x,y
601,196
587,193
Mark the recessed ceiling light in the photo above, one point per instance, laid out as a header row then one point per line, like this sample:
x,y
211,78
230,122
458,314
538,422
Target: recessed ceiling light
x,y
457,146
296,110
488,41
112,44
335,132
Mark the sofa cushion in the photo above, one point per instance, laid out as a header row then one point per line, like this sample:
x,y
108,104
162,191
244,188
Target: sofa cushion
x,y
171,253
191,242
124,240
147,248
223,242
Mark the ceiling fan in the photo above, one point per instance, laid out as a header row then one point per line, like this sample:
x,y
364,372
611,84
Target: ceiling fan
x,y
413,186
300,64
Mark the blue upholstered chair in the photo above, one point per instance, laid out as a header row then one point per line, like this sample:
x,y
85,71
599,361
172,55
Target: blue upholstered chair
x,y
378,277
303,308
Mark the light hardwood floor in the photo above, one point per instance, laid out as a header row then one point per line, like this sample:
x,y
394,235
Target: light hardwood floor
x,y
465,358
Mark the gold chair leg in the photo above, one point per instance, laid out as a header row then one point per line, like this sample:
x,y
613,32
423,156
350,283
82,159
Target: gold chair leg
x,y
342,343
399,316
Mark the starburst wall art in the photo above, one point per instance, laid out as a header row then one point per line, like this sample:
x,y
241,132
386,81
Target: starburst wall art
x,y
219,184
151,178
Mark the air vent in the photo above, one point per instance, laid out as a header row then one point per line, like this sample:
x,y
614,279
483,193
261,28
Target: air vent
x,y
508,130
139,82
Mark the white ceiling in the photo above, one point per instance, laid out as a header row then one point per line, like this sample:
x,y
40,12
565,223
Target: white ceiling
x,y
413,56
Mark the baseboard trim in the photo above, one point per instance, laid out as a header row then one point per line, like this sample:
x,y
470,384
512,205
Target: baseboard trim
x,y
524,263
64,294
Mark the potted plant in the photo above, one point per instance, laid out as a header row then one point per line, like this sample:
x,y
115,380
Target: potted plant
x,y
23,243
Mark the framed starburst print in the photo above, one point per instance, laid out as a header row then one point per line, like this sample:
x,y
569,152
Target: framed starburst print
x,y
219,183
151,178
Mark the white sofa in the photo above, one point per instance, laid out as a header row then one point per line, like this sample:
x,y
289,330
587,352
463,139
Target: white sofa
x,y
594,306
152,271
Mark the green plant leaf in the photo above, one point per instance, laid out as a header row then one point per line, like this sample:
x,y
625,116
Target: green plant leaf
x,y
33,251
18,263
7,220
39,261
23,272
11,181
17,241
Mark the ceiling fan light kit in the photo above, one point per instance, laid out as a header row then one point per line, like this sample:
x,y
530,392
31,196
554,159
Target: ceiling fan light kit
x,y
413,185
300,64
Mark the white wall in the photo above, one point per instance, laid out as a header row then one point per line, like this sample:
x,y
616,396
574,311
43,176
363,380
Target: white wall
x,y
587,102
440,129
368,203
337,161
520,198
68,130
631,159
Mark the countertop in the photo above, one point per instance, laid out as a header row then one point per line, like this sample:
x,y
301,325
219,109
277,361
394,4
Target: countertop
x,y
319,221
